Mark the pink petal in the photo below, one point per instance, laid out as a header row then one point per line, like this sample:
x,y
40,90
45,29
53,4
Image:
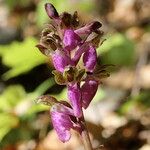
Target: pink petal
x,y
90,58
62,124
74,96
90,27
60,60
89,89
71,39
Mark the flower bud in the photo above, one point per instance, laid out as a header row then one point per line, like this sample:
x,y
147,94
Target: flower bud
x,y
51,11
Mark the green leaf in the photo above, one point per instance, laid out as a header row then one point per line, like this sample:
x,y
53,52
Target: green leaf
x,y
141,101
7,122
117,50
21,57
11,97
100,94
12,3
31,97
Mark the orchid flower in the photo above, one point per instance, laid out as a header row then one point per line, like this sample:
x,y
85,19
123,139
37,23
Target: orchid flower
x,y
68,43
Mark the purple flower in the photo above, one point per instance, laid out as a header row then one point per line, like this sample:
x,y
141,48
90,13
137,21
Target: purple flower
x,y
90,58
61,121
70,39
60,60
88,90
74,96
67,43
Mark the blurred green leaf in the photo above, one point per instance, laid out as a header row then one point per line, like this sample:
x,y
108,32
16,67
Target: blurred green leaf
x,y
15,100
11,97
15,95
100,94
86,5
7,122
21,57
141,101
12,3
117,50
41,89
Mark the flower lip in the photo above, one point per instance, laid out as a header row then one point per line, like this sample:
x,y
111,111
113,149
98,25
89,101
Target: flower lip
x,y
62,125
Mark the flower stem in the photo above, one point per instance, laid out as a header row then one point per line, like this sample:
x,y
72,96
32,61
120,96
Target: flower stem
x,y
85,135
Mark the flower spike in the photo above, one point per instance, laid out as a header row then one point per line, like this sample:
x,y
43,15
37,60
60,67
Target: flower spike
x,y
72,49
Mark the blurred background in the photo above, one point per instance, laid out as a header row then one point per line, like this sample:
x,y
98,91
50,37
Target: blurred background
x,y
119,116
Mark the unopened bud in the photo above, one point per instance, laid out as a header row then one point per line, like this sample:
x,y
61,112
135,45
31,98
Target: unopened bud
x,y
51,11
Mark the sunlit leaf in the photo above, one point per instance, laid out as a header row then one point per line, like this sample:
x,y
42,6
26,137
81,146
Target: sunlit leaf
x,y
21,57
7,122
117,50
11,97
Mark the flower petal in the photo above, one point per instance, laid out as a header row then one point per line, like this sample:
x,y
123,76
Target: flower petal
x,y
88,89
60,60
62,124
62,108
79,52
74,96
90,58
90,27
71,39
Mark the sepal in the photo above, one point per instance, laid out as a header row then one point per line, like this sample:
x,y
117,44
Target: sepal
x,y
46,100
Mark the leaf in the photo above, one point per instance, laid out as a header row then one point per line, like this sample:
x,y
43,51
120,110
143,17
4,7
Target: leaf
x,y
21,57
100,94
117,50
7,122
11,97
32,108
